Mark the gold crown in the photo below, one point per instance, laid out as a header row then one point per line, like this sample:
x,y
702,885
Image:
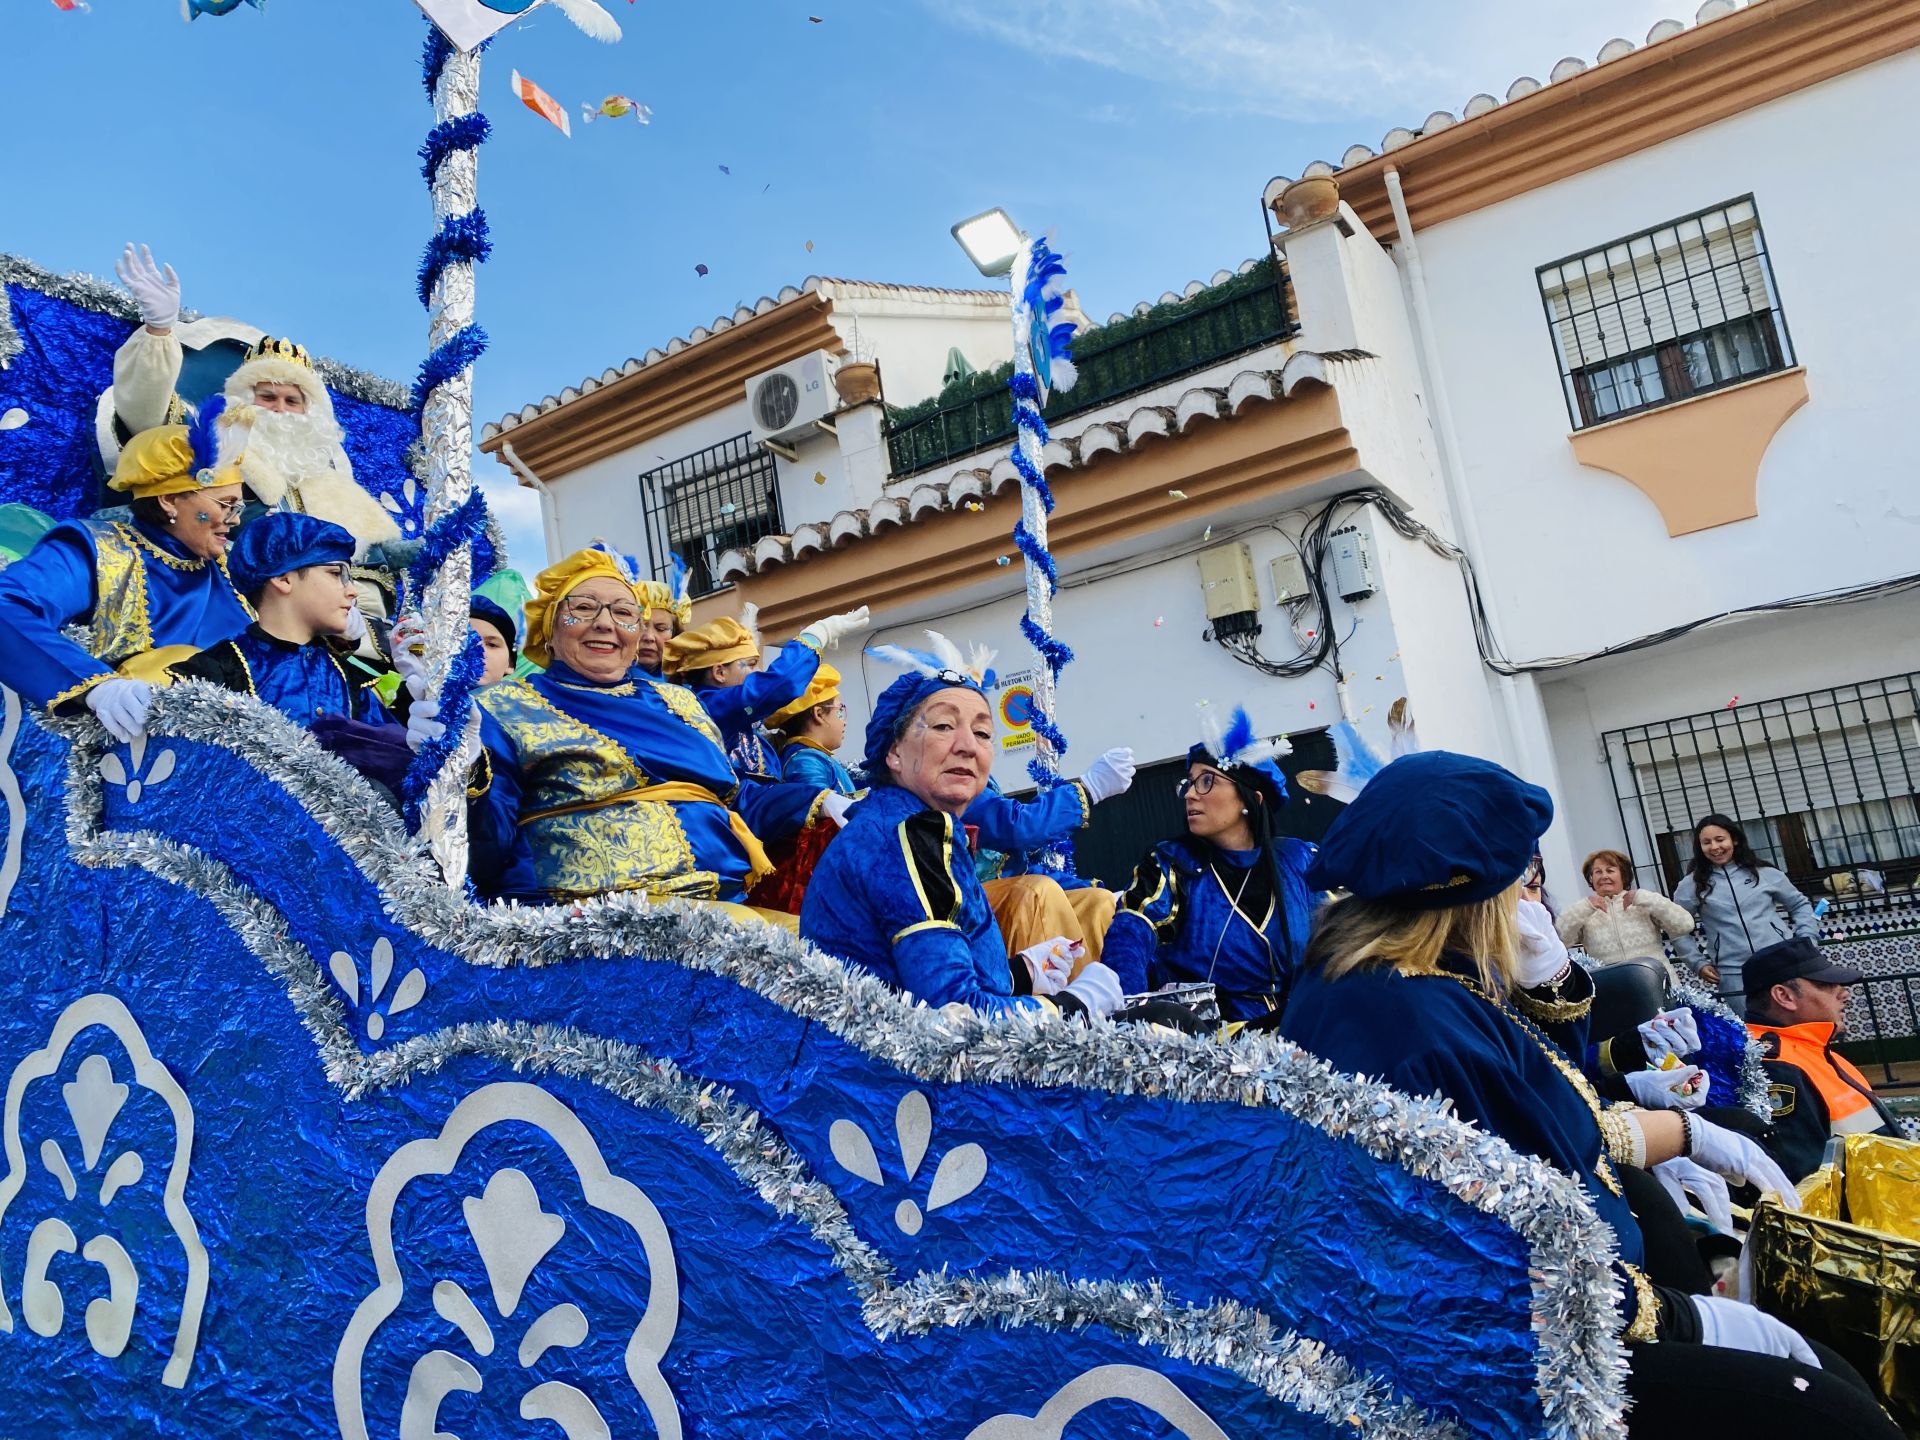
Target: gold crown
x,y
273,348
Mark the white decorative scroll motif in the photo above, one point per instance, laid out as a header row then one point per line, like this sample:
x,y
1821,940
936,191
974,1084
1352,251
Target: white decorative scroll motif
x,y
958,1174
132,776
11,797
408,993
95,1098
513,1229
1145,1388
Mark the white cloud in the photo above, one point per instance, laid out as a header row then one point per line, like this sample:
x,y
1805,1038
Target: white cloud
x,y
1316,60
518,511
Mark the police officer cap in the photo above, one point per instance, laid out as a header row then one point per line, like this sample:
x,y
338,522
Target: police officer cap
x,y
279,544
1434,829
1795,959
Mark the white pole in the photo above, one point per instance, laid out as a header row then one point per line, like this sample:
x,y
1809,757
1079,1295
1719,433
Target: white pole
x,y
1034,514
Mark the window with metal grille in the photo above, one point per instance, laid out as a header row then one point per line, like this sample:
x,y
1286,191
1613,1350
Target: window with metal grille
x,y
1679,310
1826,786
706,503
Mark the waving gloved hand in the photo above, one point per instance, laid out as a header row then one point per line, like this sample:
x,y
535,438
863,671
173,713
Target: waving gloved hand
x,y
830,630
407,643
156,292
122,707
1734,1325
1542,955
1682,1088
1097,988
1110,775
1729,1153
1681,1178
1671,1032
1050,963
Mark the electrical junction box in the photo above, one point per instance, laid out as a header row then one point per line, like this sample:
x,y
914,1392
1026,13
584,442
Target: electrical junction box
x,y
1352,555
1289,579
1226,579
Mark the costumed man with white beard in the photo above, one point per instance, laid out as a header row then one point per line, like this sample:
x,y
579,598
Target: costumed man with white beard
x,y
279,420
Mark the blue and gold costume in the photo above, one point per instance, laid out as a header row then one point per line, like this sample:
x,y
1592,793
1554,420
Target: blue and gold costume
x,y
742,710
622,786
132,585
1235,918
304,682
804,763
895,893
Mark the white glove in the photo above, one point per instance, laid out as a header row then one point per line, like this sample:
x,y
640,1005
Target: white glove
x,y
1729,1153
156,293
1667,1089
424,723
1542,955
1681,1178
1671,1032
835,807
122,706
1097,988
1110,775
406,643
356,630
1733,1325
1051,963
829,631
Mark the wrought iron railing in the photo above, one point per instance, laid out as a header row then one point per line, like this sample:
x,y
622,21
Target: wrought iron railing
x,y
1229,319
698,507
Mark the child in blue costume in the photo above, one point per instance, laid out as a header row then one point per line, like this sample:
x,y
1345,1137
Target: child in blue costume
x,y
810,730
1423,977
1227,903
296,571
150,590
596,777
718,659
895,892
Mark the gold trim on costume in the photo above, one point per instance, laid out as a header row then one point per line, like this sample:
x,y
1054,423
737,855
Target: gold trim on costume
x,y
74,692
1644,1327
920,925
913,869
1553,1012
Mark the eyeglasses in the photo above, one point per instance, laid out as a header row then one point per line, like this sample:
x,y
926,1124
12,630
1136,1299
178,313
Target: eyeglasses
x,y
584,610
340,570
1201,784
838,712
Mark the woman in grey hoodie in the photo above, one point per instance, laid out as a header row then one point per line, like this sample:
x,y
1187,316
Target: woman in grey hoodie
x,y
1738,902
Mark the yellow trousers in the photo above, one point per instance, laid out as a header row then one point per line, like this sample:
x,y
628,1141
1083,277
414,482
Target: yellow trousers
x,y
1032,908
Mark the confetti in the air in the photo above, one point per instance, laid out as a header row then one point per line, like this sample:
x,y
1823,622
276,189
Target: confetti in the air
x,y
1207,534
542,104
1394,656
616,107
1178,494
809,247
700,270
728,509
76,5
1312,706
1733,702
1159,620
813,19
1001,560
725,170
819,477
975,506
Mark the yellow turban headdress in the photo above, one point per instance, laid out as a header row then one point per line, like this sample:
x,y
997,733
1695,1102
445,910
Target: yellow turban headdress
x,y
556,582
655,595
714,643
166,461
824,687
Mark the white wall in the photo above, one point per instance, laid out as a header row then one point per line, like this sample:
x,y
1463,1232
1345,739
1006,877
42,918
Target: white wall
x,y
911,337
1577,558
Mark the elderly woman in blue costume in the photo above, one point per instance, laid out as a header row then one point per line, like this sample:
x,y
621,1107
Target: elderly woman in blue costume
x,y
1227,903
669,611
896,894
1423,977
719,661
150,590
603,778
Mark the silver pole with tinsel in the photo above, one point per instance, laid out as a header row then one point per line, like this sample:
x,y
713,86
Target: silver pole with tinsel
x,y
1028,441
446,426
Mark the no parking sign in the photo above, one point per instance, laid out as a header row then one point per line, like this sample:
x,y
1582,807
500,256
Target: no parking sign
x,y
1016,714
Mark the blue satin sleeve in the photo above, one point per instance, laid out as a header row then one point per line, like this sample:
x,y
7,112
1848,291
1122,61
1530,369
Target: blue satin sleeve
x,y
1149,910
774,809
50,588
500,860
765,691
804,765
1016,825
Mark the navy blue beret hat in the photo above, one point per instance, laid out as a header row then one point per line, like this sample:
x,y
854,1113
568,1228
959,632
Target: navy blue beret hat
x,y
1434,829
896,703
496,616
282,542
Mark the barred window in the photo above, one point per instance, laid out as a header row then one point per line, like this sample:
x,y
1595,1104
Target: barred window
x,y
1679,310
704,504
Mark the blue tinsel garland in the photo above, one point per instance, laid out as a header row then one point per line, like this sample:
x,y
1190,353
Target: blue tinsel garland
x,y
456,705
463,132
461,349
447,534
463,237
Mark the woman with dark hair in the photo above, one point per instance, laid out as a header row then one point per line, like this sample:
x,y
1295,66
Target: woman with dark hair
x,y
1741,904
1227,902
1423,977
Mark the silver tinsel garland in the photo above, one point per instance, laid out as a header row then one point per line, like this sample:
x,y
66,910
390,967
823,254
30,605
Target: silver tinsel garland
x,y
1580,1360
92,293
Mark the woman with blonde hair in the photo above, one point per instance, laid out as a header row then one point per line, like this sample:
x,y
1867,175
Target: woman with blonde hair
x,y
1423,976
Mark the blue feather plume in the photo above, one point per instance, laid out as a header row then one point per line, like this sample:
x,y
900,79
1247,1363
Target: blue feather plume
x,y
203,432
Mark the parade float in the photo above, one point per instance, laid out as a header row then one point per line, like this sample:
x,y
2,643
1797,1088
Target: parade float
x,y
300,1139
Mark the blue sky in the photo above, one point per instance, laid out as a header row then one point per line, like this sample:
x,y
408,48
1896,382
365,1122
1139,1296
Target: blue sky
x,y
269,154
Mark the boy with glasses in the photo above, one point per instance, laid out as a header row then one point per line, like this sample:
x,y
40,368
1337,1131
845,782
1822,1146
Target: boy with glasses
x,y
810,730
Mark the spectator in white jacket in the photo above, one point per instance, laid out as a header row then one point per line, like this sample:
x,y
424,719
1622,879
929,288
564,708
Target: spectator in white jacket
x,y
1617,922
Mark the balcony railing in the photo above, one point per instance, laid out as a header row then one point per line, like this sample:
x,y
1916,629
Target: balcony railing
x,y
1125,358
704,504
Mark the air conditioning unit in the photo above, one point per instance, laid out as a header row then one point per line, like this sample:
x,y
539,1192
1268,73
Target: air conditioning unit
x,y
784,403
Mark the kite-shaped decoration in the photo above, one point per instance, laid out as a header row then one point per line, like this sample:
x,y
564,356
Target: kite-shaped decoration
x,y
541,103
471,23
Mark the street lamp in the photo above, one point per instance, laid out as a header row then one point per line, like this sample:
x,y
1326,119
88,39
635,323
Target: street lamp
x,y
997,246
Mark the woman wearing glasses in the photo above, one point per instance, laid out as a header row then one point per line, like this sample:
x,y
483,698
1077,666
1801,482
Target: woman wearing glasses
x,y
598,777
150,590
1226,903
